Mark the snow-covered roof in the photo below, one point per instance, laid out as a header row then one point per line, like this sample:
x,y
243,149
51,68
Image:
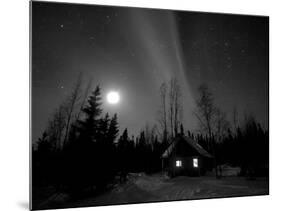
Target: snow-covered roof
x,y
189,141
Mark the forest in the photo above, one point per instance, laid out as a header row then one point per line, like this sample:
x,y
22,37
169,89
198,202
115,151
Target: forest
x,y
82,150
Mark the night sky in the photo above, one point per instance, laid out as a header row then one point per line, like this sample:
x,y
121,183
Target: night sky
x,y
134,50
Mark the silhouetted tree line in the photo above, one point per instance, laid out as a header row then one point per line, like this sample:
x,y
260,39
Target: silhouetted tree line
x,y
81,152
246,146
140,154
86,159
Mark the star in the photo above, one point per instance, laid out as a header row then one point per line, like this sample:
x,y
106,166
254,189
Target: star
x,y
108,19
61,25
229,66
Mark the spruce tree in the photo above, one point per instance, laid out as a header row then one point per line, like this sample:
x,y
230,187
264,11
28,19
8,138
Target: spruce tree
x,y
123,162
113,129
84,154
103,126
89,126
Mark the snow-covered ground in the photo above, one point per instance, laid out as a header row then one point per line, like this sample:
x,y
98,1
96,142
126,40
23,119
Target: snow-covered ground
x,y
151,188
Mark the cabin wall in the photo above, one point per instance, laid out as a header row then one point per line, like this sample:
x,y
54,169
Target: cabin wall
x,y
185,153
187,167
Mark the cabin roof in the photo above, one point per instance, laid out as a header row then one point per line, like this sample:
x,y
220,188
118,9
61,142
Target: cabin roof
x,y
190,142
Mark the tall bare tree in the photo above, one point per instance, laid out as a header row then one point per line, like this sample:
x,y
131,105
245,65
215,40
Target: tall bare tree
x,y
84,98
171,107
175,106
171,111
81,104
56,127
206,114
235,118
163,110
206,110
70,105
221,125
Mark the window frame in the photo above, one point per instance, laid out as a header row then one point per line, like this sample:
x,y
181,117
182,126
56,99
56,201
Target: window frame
x,y
179,163
195,162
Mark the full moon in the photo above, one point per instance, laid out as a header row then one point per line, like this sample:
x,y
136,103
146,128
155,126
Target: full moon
x,y
113,97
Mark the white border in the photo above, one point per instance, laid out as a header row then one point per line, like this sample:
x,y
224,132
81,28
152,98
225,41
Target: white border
x,y
14,90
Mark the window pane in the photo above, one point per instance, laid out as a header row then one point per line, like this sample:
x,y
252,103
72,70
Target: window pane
x,y
195,162
178,163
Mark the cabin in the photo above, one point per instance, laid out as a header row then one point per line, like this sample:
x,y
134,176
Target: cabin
x,y
184,156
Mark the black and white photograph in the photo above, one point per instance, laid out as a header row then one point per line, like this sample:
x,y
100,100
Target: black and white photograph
x,y
139,105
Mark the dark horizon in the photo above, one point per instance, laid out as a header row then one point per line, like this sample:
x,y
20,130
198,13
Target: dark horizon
x,y
134,50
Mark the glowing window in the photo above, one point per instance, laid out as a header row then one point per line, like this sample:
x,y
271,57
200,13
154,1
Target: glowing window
x,y
195,162
178,163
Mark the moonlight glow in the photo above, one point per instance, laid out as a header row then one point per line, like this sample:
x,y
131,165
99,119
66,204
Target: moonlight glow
x,y
113,97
